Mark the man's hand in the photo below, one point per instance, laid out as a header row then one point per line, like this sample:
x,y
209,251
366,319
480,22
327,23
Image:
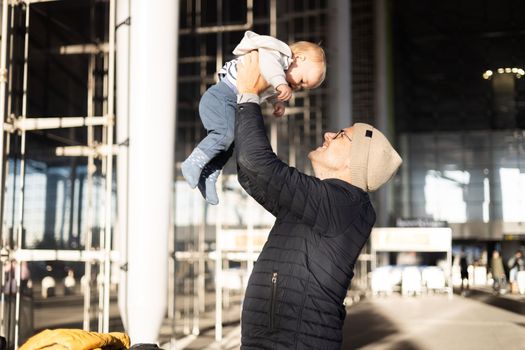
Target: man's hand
x,y
278,109
285,92
249,78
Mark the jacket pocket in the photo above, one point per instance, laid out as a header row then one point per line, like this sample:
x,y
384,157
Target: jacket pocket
x,y
273,298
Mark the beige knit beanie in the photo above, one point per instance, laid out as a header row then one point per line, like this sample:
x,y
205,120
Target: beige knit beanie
x,y
373,161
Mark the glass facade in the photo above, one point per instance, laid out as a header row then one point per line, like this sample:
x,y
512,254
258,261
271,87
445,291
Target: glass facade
x,y
459,113
473,180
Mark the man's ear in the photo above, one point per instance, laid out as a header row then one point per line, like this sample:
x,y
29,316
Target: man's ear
x,y
347,163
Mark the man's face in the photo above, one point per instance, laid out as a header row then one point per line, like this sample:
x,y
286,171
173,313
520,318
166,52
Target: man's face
x,y
334,153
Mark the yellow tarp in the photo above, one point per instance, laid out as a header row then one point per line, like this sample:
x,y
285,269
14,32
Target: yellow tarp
x,y
76,339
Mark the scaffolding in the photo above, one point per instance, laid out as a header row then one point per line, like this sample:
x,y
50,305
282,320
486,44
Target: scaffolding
x,y
17,122
211,34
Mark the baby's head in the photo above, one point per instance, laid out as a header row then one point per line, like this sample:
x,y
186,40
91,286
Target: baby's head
x,y
308,68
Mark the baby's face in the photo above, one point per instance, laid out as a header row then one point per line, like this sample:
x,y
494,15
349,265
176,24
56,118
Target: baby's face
x,y
304,73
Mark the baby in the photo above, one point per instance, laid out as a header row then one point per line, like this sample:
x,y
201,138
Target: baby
x,y
302,65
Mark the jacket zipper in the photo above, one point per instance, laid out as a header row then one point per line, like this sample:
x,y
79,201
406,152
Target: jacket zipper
x,y
272,300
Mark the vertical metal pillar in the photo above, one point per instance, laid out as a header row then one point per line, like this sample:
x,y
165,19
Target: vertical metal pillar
x,y
406,193
200,291
3,88
383,99
381,80
20,225
218,268
340,71
101,195
109,165
218,220
88,226
273,32
3,158
449,273
153,70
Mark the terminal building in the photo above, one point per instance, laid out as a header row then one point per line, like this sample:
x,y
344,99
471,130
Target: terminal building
x,y
90,174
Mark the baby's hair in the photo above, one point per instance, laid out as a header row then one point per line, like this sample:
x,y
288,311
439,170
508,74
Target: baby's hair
x,y
313,51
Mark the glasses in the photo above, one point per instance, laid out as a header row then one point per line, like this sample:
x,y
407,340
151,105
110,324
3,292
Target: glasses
x,y
341,132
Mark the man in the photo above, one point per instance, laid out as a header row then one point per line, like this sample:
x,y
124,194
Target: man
x,y
463,269
295,294
516,266
498,273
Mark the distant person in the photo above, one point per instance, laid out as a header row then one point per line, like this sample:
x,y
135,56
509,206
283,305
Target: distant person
x,y
69,282
498,272
302,65
463,266
10,271
483,260
295,294
516,265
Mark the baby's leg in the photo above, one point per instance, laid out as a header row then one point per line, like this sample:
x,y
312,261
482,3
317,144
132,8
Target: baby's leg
x,y
222,134
216,115
192,167
210,174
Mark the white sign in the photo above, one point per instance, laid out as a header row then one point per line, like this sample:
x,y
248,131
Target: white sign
x,y
412,239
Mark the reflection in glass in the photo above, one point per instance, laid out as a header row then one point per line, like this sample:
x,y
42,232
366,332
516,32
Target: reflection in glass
x,y
513,194
444,195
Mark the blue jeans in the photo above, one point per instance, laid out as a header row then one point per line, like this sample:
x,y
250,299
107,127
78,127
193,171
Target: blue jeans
x,y
217,112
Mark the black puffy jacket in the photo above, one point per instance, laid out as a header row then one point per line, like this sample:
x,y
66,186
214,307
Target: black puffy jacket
x,y
295,294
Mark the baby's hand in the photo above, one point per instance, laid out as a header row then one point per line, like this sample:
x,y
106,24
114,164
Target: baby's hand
x,y
278,109
285,92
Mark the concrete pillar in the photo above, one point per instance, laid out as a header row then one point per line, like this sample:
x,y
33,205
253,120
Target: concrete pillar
x,y
153,69
122,132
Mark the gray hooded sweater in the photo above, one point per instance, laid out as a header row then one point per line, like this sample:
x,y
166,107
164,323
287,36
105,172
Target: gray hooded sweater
x,y
274,59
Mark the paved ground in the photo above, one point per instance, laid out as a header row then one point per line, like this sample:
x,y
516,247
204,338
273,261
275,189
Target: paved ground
x,y
481,321
432,322
422,323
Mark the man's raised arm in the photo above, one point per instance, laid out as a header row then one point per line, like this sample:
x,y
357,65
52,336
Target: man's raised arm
x,y
271,182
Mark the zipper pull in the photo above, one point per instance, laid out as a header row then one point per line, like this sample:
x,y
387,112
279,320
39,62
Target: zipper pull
x,y
274,278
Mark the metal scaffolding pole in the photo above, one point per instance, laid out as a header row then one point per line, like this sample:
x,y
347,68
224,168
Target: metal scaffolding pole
x,y
218,229
18,244
105,231
3,88
109,165
273,32
32,123
7,236
218,268
88,230
199,296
